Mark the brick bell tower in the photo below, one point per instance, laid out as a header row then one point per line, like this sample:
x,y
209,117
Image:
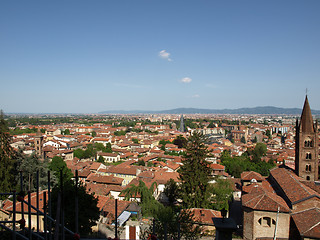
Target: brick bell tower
x,y
38,144
306,152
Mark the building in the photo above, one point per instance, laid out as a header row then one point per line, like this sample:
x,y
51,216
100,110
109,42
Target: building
x,y
38,144
306,162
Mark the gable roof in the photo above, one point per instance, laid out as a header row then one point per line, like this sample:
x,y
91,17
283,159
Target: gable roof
x,y
259,199
290,184
248,176
308,222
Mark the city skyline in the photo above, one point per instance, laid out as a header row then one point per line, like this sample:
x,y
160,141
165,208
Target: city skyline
x,y
88,57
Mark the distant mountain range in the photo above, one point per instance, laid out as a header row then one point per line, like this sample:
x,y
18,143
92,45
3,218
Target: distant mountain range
x,y
255,110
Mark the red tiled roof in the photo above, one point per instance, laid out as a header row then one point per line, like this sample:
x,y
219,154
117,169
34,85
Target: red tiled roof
x,y
291,185
8,206
248,176
104,179
308,222
259,199
205,216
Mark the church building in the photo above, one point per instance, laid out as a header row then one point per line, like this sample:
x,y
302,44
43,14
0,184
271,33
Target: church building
x,y
306,155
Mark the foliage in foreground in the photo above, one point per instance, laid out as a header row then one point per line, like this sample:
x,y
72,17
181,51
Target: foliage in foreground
x,y
195,173
88,210
168,220
149,205
8,158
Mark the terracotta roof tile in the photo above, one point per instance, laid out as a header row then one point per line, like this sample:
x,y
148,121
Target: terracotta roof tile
x,y
259,199
291,185
308,222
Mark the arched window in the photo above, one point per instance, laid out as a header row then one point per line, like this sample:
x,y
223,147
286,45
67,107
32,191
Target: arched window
x,y
308,168
308,178
308,155
308,142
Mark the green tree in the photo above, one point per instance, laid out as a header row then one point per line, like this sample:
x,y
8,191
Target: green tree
x,y
211,125
108,148
134,140
93,134
149,204
87,205
7,158
195,173
66,132
222,194
79,153
180,141
268,133
100,159
29,165
141,162
260,149
167,221
120,133
171,190
243,139
57,165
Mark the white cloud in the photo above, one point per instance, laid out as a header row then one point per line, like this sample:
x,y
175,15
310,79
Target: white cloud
x,y
165,55
196,96
186,80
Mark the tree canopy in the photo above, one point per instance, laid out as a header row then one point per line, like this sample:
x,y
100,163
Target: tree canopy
x,y
29,165
248,161
195,173
87,205
7,158
57,165
222,194
149,204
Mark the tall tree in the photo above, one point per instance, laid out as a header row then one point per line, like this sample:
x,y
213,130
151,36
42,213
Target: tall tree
x,y
180,141
195,173
222,193
7,158
57,165
171,190
88,210
29,165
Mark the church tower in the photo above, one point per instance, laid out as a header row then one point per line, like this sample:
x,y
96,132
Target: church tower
x,y
38,144
306,161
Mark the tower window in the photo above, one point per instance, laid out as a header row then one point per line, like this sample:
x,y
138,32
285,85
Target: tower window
x,y
308,142
308,178
308,168
308,156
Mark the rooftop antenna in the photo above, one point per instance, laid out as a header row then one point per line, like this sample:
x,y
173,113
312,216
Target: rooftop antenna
x,y
306,91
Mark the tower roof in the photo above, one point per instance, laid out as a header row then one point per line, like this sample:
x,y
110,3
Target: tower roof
x,y
306,123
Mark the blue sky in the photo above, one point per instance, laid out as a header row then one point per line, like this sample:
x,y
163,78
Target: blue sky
x,y
80,56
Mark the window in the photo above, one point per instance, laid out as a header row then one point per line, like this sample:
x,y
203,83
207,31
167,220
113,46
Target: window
x,y
308,155
266,222
308,142
308,168
308,178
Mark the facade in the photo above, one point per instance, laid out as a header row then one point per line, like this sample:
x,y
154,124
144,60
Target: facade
x,y
306,162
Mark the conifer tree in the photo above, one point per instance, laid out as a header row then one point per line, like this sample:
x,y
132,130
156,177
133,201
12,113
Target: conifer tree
x,y
195,173
7,158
